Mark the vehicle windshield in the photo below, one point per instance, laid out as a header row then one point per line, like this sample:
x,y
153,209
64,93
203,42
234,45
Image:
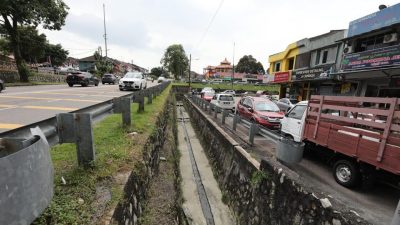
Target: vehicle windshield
x,y
293,101
266,106
209,94
226,98
207,88
133,75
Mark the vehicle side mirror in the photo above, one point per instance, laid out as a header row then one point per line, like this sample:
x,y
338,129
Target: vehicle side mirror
x,y
288,109
250,109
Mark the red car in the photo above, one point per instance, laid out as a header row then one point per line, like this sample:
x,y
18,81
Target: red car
x,y
207,96
261,111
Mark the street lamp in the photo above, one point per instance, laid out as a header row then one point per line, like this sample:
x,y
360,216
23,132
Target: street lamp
x,y
190,67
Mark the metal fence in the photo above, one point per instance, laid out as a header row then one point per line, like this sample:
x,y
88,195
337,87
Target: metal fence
x,y
26,171
253,128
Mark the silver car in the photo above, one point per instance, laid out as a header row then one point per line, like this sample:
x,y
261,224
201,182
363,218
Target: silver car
x,y
285,104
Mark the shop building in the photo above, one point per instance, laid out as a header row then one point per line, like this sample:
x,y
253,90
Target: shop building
x,y
371,59
211,72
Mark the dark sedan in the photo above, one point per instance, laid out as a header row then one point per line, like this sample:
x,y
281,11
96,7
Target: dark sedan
x,y
109,79
83,78
2,87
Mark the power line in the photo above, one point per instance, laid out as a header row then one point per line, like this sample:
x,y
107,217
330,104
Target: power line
x,y
209,25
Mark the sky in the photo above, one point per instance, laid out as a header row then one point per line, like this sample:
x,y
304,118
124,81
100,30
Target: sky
x,y
139,31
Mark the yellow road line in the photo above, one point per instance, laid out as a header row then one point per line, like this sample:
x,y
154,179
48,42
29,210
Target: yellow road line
x,y
88,94
7,106
48,108
59,99
9,125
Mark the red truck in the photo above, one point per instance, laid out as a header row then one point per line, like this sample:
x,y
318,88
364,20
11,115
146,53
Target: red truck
x,y
361,135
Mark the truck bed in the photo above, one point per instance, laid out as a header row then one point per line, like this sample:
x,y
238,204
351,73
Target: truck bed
x,y
371,139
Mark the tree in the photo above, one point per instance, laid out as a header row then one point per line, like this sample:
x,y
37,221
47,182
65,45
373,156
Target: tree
x,y
156,71
57,54
175,60
32,45
248,64
102,65
14,13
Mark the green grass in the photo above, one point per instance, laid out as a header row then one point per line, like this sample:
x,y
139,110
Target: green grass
x,y
236,87
115,152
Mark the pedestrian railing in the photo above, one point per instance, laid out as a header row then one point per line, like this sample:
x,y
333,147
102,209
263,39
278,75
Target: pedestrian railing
x,y
26,171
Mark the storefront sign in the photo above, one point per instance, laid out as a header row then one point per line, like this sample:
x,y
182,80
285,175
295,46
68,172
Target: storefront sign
x,y
312,74
374,21
280,77
388,56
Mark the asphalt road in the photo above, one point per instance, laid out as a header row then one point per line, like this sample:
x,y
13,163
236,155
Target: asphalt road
x,y
376,205
21,106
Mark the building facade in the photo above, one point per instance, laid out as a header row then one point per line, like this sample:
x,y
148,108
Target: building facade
x,y
224,67
371,59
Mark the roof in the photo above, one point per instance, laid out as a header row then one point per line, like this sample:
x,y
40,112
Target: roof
x,y
225,62
88,59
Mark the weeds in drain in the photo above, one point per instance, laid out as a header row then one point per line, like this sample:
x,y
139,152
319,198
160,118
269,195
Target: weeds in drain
x,y
257,177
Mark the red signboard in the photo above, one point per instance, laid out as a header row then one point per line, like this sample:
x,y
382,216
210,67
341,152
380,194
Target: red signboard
x,y
280,77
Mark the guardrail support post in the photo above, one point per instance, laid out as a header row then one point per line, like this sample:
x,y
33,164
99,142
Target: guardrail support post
x,y
140,100
252,132
210,108
225,113
216,112
123,106
236,120
84,138
150,98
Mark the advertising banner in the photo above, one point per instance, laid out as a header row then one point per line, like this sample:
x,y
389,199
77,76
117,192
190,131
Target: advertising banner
x,y
374,21
388,56
321,72
280,77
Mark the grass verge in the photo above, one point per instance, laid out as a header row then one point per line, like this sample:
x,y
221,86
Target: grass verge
x,y
236,87
76,202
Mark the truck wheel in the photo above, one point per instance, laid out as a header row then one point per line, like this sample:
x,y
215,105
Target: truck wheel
x,y
69,84
1,87
346,173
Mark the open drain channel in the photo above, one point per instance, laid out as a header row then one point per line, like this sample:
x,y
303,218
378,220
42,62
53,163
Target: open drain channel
x,y
204,202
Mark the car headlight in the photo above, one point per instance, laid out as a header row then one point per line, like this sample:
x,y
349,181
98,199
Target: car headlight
x,y
120,82
264,117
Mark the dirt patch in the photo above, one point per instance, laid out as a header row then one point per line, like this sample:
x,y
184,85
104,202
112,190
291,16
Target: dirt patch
x,y
161,206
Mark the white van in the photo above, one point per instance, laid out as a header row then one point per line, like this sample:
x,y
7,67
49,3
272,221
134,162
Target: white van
x,y
293,122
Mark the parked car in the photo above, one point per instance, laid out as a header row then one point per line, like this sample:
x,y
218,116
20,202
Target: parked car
x,y
261,111
231,92
161,79
109,79
216,81
207,95
2,86
240,82
83,78
132,81
285,104
207,89
225,101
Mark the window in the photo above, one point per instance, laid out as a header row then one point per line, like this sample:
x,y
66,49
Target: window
x,y
297,112
325,56
291,64
277,66
226,98
317,58
267,106
247,103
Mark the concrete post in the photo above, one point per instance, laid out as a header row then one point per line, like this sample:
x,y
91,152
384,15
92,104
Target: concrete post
x,y
84,139
396,217
236,120
215,111
126,111
210,108
225,113
252,132
150,98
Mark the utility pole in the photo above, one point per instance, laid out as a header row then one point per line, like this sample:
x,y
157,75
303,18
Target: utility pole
x,y
105,30
233,65
190,65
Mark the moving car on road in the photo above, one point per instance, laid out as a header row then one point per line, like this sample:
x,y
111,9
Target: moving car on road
x,y
132,81
285,104
261,111
83,78
207,96
207,89
225,101
161,79
2,87
231,92
109,79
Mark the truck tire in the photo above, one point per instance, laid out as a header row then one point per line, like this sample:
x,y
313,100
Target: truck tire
x,y
346,173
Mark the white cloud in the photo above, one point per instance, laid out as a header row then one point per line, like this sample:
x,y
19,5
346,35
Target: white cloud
x,y
140,30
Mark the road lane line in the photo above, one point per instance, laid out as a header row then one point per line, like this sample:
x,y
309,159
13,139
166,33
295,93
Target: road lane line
x,y
49,108
60,93
9,125
59,99
7,106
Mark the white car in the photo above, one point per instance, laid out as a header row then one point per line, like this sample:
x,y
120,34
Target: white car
x,y
161,79
132,81
207,89
231,92
225,101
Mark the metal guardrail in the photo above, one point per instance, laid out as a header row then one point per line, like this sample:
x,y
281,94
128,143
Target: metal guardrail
x,y
26,171
253,128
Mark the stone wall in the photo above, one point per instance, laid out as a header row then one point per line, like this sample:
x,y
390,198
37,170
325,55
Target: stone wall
x,y
130,208
11,76
261,193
